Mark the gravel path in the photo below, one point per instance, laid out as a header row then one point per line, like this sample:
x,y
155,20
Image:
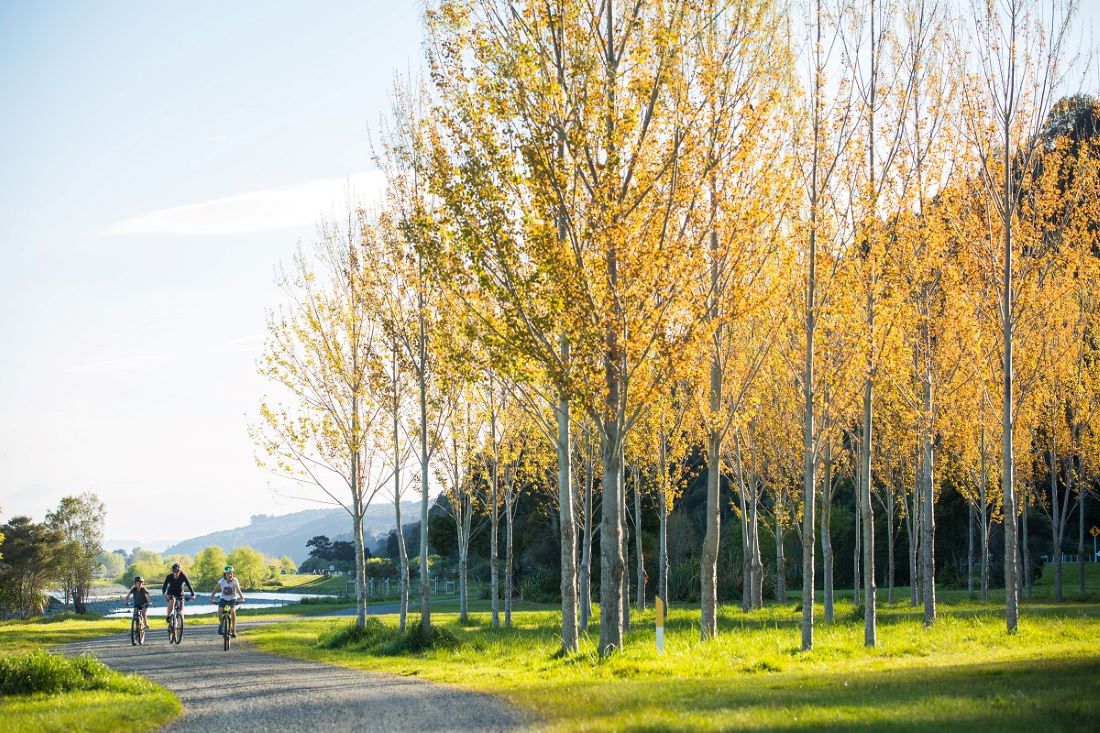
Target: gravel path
x,y
245,690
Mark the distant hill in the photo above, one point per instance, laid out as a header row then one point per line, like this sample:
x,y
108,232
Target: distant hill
x,y
288,534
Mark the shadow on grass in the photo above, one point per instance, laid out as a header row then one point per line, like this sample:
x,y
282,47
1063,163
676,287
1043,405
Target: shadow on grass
x,y
1016,696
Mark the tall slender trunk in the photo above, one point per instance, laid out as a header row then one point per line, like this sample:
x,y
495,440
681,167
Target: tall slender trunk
x,y
867,517
624,599
757,559
662,517
983,495
928,516
585,593
857,546
970,550
611,547
1056,524
708,571
425,474
780,562
746,540
357,510
567,525
915,590
809,478
826,536
638,547
402,552
1024,549
494,523
911,535
1081,549
1012,616
509,514
890,542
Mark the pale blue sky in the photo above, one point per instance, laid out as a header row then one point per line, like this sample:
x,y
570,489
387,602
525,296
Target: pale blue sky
x,y
128,334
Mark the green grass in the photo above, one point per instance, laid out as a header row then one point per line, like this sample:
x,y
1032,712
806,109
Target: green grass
x,y
119,701
308,583
965,673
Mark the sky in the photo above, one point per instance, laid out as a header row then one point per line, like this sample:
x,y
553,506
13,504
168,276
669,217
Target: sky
x,y
159,161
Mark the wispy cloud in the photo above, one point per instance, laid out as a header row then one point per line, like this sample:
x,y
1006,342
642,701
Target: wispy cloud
x,y
108,366
255,211
244,344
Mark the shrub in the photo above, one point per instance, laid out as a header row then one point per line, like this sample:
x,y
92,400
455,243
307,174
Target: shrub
x,y
378,639
40,671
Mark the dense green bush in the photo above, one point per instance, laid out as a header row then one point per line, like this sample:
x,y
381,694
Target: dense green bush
x,y
376,638
41,671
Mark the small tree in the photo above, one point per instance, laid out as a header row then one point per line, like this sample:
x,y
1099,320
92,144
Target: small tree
x,y
33,557
79,519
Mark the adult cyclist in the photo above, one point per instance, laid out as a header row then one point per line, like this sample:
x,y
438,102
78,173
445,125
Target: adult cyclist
x,y
228,591
173,589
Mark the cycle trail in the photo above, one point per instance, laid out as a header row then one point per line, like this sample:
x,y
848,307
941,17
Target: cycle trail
x,y
245,690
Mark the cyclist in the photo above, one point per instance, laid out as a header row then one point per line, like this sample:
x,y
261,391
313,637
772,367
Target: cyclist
x,y
173,590
142,599
228,591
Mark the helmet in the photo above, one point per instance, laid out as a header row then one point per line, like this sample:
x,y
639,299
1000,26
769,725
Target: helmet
x,y
175,566
227,569
139,579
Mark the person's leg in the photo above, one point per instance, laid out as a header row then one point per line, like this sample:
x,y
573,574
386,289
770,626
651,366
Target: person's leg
x,y
171,603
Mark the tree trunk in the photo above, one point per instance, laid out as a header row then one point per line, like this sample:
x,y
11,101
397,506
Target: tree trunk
x,y
890,542
662,520
1007,462
1056,525
508,562
611,546
624,600
826,536
928,565
983,494
494,554
1025,549
867,517
970,550
708,571
757,558
567,525
425,474
586,550
638,547
1081,548
780,563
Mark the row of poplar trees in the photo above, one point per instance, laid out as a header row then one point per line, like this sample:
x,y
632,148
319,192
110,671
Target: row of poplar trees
x,y
854,237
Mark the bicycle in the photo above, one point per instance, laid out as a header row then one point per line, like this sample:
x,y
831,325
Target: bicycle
x,y
227,627
175,622
137,628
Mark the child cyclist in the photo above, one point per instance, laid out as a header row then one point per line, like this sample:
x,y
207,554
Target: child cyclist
x,y
142,599
228,591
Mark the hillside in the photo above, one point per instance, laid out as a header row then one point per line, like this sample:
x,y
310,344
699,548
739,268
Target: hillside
x,y
288,534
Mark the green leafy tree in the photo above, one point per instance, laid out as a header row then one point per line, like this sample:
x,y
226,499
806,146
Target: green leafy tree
x,y
249,566
33,557
79,519
112,564
207,567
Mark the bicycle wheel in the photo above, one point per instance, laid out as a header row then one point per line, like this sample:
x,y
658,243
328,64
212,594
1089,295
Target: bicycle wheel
x,y
226,627
179,628
135,625
140,622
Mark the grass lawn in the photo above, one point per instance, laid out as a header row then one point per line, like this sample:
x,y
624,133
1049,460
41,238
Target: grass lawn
x,y
130,702
308,583
965,673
